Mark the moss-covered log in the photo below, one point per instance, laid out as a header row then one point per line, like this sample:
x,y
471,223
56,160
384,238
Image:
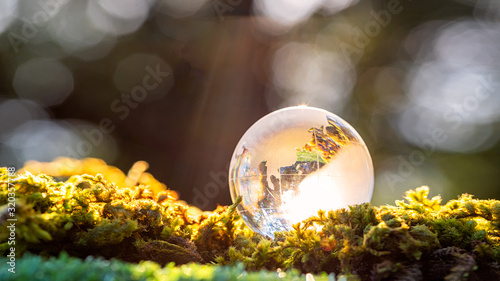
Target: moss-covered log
x,y
88,215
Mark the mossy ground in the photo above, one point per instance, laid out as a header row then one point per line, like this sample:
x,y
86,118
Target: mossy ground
x,y
86,208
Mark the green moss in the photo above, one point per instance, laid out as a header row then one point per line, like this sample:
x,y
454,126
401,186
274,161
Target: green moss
x,y
69,268
416,239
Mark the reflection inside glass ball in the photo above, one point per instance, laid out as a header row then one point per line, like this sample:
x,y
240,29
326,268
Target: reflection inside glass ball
x,y
294,162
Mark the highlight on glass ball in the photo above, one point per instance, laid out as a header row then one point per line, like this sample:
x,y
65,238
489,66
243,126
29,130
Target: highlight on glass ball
x,y
294,162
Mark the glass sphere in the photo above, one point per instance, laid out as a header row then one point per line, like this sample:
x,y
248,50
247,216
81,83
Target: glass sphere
x,y
294,162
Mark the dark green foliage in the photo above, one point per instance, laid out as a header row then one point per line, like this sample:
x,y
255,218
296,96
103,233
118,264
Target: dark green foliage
x,y
418,239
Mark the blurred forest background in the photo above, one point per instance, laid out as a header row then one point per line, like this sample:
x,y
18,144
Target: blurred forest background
x,y
177,82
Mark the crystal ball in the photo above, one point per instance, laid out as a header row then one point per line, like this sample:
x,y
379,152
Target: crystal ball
x,y
294,162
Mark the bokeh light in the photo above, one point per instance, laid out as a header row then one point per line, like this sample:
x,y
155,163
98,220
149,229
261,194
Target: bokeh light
x,y
78,34
8,12
16,112
118,17
43,80
41,139
452,87
286,12
45,140
308,75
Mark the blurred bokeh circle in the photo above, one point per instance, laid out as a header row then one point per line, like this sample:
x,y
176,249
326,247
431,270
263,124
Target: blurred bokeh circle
x,y
46,81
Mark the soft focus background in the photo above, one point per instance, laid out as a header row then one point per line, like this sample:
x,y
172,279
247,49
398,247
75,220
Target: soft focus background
x,y
177,82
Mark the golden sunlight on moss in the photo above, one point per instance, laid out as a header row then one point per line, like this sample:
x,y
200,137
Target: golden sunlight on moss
x,y
92,215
